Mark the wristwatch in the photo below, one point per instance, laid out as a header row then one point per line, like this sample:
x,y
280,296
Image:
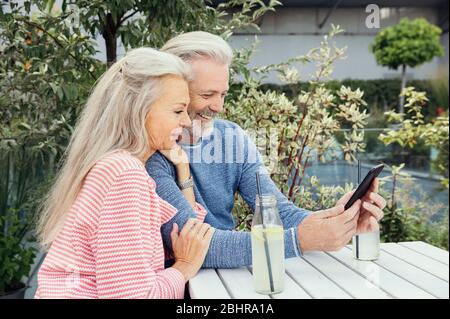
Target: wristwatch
x,y
186,184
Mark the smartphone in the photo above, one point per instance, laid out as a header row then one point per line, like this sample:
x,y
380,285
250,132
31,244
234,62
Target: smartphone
x,y
364,186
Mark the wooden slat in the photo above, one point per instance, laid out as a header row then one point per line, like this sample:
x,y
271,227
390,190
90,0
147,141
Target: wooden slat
x,y
380,277
291,290
207,285
417,276
239,283
417,259
344,277
428,250
313,281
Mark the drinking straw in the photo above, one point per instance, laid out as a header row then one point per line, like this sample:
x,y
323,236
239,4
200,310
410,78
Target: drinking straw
x,y
266,245
357,237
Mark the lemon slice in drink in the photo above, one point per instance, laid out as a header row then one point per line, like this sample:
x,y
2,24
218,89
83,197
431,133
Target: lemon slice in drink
x,y
272,232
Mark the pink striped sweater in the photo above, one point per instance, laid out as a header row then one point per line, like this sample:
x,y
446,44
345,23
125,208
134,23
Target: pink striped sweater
x,y
111,245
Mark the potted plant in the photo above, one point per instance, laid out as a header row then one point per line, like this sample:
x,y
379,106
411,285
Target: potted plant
x,y
16,254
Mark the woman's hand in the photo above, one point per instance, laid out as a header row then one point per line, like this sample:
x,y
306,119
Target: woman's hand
x,y
190,246
181,161
176,155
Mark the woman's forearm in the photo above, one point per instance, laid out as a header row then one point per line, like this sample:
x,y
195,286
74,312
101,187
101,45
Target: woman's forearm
x,y
183,174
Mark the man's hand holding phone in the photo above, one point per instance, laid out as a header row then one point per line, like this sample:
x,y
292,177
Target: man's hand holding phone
x,y
332,229
371,208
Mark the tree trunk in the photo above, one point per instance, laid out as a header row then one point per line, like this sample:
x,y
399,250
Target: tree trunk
x,y
402,98
110,36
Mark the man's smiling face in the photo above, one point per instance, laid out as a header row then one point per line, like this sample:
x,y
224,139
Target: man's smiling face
x,y
207,90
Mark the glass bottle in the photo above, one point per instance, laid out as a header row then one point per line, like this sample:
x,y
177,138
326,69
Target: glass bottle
x,y
366,246
267,236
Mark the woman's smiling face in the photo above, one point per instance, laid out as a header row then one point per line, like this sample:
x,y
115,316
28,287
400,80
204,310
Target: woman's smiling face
x,y
168,114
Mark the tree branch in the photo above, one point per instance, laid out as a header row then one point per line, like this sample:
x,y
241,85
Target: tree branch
x,y
122,20
291,189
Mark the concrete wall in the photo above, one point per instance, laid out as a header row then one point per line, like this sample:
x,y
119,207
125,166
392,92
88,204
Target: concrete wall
x,y
293,31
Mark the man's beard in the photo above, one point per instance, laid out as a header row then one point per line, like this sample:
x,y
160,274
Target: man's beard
x,y
199,129
207,115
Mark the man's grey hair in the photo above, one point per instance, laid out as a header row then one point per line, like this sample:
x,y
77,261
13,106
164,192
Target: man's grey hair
x,y
198,44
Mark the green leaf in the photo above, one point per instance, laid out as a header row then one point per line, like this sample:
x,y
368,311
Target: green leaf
x,y
50,4
25,126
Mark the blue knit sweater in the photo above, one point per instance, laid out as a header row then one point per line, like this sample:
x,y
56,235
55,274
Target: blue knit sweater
x,y
222,164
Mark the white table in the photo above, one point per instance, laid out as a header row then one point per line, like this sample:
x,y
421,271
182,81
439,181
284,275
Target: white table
x,y
403,270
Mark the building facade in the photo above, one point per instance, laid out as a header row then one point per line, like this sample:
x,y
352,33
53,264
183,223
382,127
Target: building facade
x,y
300,25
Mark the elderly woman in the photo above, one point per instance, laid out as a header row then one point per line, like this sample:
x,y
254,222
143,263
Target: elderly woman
x,y
101,220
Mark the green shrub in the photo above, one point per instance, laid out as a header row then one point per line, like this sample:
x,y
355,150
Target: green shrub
x,y
16,254
381,95
410,214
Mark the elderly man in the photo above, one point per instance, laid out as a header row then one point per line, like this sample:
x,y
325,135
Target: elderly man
x,y
216,178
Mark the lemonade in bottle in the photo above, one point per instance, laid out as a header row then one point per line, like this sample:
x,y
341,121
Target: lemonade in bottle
x,y
267,236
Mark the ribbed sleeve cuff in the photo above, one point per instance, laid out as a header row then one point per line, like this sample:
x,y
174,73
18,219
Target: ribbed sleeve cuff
x,y
295,239
176,279
291,242
200,211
